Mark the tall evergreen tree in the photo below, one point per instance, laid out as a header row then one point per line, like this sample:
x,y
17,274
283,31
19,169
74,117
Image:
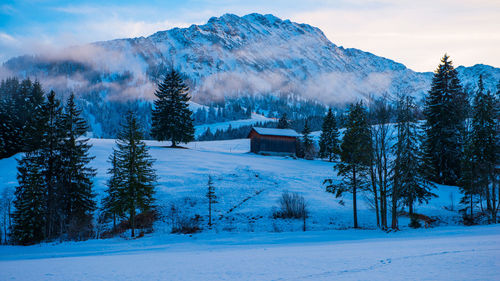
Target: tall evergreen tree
x,y
212,198
112,204
445,112
135,169
409,185
29,215
355,157
172,118
485,146
283,122
307,142
329,144
75,179
51,166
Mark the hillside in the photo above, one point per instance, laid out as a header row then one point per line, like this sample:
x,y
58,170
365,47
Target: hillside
x,y
248,187
246,243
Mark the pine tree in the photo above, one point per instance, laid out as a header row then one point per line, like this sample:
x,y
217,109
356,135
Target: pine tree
x,y
135,169
307,142
355,157
485,146
75,179
445,112
283,122
29,214
329,144
212,198
52,138
172,118
409,185
111,203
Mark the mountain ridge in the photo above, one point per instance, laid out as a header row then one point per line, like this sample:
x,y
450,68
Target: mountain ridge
x,y
232,56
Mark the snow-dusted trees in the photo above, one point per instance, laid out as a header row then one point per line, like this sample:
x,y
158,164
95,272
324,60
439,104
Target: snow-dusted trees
x,y
134,169
171,114
445,112
212,198
355,156
329,144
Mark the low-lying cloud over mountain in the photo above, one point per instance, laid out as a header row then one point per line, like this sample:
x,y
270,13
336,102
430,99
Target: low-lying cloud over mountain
x,y
229,56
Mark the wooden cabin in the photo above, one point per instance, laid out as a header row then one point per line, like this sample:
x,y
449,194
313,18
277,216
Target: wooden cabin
x,y
273,141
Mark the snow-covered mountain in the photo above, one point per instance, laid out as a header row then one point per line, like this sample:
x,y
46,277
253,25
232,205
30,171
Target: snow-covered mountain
x,y
232,55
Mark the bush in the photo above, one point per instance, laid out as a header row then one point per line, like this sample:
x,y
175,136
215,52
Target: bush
x,y
186,225
292,205
414,222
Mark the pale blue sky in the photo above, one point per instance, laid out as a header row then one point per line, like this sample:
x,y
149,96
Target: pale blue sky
x,y
416,33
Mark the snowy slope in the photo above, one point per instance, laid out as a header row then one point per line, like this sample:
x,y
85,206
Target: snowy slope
x,y
246,243
248,187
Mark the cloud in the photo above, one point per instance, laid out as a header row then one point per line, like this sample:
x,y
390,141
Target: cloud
x,y
416,33
329,87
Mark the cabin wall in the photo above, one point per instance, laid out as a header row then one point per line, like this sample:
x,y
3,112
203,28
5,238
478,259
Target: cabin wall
x,y
278,144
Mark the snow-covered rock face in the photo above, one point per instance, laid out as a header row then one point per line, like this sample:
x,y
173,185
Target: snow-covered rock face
x,y
229,56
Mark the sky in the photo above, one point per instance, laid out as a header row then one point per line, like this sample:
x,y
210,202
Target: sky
x,y
416,33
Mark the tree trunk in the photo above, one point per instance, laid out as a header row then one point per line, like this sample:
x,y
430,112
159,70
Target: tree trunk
x,y
132,221
354,203
395,207
209,212
374,187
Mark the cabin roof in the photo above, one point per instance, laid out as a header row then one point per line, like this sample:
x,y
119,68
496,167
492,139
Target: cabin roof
x,y
276,132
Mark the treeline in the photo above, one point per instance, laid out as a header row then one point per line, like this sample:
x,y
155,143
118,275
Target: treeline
x,y
457,144
228,111
232,133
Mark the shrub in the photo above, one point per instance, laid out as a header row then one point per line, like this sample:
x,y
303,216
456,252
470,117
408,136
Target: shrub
x,y
414,222
292,205
186,225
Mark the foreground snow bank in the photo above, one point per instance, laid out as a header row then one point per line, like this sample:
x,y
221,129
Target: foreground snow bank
x,y
446,253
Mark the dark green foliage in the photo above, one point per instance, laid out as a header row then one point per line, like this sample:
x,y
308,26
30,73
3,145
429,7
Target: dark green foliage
x,y
409,183
329,144
355,156
62,175
171,114
111,203
50,157
212,198
283,122
20,104
307,143
445,112
414,222
29,214
483,149
135,171
75,178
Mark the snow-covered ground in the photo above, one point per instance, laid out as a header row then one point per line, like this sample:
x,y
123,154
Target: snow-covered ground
x,y
447,253
246,242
